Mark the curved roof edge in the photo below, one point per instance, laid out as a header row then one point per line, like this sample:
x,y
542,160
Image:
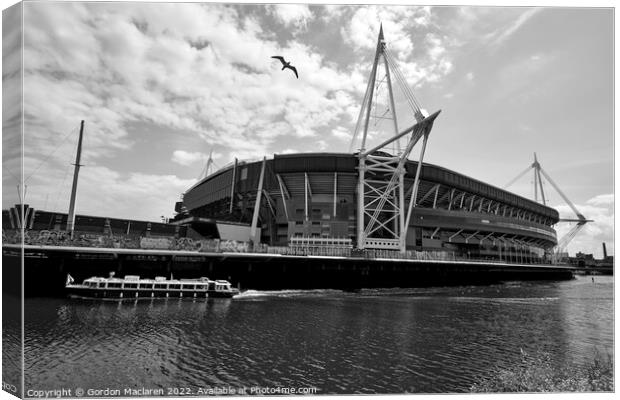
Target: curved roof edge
x,y
352,168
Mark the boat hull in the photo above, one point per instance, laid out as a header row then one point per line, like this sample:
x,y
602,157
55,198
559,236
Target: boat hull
x,y
113,293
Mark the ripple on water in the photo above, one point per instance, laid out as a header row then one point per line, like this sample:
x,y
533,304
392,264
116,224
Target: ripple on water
x,y
375,341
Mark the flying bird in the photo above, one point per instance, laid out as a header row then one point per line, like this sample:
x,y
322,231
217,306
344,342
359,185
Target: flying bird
x,y
286,64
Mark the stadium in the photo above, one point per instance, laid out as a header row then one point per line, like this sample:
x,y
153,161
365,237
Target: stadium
x,y
312,199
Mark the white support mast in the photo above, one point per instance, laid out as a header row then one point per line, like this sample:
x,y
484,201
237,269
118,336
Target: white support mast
x,y
539,172
207,170
232,187
382,220
76,171
253,229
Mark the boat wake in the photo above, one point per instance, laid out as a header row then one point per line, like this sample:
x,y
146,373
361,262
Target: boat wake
x,y
508,300
257,294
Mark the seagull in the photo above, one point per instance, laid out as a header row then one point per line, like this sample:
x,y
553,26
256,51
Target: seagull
x,y
286,64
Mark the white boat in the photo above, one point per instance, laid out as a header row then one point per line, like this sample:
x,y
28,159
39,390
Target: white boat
x,y
132,286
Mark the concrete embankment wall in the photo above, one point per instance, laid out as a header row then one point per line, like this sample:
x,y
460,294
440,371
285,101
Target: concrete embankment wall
x,y
46,269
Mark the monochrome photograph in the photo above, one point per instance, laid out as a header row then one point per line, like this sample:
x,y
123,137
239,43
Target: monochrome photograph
x,y
207,199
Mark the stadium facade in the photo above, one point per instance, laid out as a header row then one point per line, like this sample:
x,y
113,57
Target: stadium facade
x,y
312,199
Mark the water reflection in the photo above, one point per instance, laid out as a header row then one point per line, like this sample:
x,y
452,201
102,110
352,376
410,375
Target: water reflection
x,y
375,341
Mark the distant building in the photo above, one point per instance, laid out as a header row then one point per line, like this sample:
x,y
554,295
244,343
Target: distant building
x,y
584,260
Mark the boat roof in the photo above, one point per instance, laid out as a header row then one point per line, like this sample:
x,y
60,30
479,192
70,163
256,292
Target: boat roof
x,y
148,280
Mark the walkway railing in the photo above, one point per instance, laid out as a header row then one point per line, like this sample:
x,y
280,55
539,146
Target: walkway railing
x,y
61,238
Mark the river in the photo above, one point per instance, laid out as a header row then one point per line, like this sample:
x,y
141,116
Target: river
x,y
431,340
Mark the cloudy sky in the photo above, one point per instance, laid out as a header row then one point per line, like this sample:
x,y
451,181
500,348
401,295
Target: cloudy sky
x,y
161,85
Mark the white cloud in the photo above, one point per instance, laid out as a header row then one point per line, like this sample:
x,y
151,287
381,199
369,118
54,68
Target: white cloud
x,y
321,145
288,151
470,76
105,192
363,28
503,35
602,200
334,11
436,47
420,50
295,15
186,158
342,133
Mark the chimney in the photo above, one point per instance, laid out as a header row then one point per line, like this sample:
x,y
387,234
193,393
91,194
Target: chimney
x,y
604,251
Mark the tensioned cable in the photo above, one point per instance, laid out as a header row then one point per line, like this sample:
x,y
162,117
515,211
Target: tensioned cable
x,y
10,173
406,89
433,70
359,121
381,118
401,81
400,78
49,155
60,188
359,118
415,105
376,95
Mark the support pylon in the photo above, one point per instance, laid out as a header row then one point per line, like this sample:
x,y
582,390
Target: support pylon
x,y
208,167
539,173
382,217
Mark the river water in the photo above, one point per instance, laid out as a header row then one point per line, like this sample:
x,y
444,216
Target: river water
x,y
374,341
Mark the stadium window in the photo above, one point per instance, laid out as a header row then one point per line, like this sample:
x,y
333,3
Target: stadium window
x,y
244,174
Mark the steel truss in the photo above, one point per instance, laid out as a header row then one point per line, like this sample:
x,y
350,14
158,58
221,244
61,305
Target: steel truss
x,y
382,217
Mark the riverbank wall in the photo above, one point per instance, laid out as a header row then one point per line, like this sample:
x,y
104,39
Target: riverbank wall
x,y
45,269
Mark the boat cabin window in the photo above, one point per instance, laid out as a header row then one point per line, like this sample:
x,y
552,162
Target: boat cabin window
x,y
114,284
161,285
175,286
145,285
101,284
189,287
131,286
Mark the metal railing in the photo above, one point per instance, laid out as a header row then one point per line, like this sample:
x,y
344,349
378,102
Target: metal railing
x,y
62,238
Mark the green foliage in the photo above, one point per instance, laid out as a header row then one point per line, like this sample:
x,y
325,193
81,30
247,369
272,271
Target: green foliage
x,y
540,375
